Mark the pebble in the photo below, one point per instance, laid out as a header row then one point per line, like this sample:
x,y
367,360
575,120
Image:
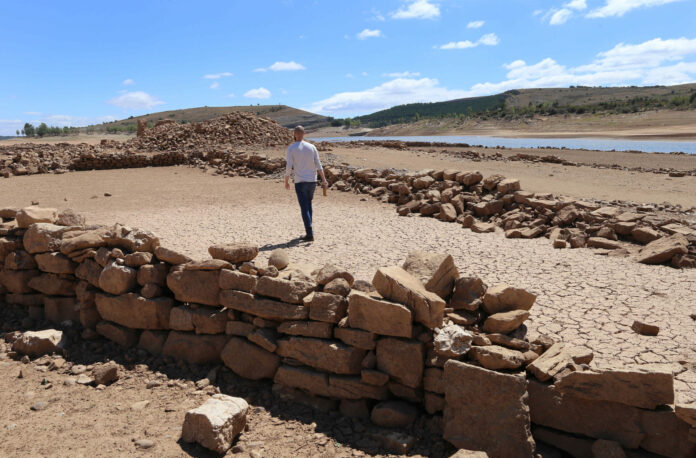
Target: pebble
x,y
41,405
144,443
82,379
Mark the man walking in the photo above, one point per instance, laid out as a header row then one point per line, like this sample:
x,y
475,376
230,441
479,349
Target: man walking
x,y
303,158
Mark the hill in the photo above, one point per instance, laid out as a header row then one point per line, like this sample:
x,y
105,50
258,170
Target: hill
x,y
284,115
543,101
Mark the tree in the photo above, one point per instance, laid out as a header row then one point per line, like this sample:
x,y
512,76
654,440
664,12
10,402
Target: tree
x,y
29,130
42,129
17,132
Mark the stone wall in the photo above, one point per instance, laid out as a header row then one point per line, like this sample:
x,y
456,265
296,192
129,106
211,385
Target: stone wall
x,y
418,340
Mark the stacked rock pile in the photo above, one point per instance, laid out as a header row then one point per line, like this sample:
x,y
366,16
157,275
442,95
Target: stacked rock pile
x,y
233,129
419,339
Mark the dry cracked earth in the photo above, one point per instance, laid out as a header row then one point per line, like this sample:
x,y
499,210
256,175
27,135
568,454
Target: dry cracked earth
x,y
583,298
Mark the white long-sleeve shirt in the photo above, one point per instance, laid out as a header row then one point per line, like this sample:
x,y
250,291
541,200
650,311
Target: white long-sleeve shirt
x,y
303,158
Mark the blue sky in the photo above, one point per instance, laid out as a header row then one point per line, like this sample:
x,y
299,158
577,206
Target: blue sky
x,y
74,63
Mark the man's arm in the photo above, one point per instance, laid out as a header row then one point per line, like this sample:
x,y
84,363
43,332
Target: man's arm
x,y
320,169
288,168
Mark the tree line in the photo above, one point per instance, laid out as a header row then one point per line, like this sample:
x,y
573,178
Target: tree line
x,y
44,130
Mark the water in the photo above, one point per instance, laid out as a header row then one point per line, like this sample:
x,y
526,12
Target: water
x,y
598,144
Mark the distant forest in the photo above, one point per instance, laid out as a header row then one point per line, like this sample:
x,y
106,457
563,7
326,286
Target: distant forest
x,y
498,107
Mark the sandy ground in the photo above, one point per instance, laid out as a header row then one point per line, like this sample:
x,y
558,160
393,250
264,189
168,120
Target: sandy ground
x,y
83,421
582,298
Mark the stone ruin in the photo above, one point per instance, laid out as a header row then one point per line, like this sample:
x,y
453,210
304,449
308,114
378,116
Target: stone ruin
x,y
418,340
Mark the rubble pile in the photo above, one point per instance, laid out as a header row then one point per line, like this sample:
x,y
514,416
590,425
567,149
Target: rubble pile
x,y
420,339
233,129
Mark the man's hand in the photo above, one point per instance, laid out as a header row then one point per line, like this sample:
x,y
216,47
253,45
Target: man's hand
x,y
287,183
325,184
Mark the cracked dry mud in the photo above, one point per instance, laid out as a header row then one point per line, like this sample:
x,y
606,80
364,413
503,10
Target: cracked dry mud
x,y
583,298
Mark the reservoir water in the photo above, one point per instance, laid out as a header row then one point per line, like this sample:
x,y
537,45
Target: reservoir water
x,y
598,144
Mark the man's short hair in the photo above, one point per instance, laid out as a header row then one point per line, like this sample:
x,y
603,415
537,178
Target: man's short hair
x,y
299,129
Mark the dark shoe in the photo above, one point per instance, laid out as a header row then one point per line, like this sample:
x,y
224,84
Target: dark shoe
x,y
308,238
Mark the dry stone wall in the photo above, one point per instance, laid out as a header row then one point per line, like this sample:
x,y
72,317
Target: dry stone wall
x,y
419,340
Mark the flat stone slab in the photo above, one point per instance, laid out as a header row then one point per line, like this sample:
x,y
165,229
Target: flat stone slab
x,y
646,389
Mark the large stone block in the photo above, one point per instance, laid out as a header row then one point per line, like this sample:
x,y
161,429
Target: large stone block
x,y
352,387
44,237
232,279
17,281
327,307
633,386
197,286
403,360
436,271
289,291
486,410
598,419
54,285
30,215
117,279
663,249
504,298
379,316
216,423
395,284
37,343
356,338
264,308
468,293
89,271
551,362
153,341
314,382
123,336
55,263
234,253
19,260
505,322
248,360
326,355
194,348
134,311
153,273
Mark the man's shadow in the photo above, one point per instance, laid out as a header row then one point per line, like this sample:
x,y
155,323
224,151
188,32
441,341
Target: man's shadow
x,y
297,241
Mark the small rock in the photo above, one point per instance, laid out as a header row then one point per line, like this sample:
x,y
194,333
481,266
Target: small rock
x,y
140,405
83,379
41,405
144,443
645,329
105,374
279,259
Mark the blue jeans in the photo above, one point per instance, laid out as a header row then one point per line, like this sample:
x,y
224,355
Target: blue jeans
x,y
305,193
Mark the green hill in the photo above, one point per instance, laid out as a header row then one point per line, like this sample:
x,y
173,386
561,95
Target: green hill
x,y
543,101
284,115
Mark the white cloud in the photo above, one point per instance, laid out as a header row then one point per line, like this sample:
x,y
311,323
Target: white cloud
x,y
128,82
377,15
349,75
654,62
561,16
215,85
364,73
489,39
260,93
621,7
475,24
395,92
137,100
577,5
217,76
286,67
367,33
402,74
417,9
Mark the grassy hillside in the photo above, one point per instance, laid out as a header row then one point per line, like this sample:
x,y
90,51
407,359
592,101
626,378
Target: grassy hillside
x,y
545,101
284,115
415,111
